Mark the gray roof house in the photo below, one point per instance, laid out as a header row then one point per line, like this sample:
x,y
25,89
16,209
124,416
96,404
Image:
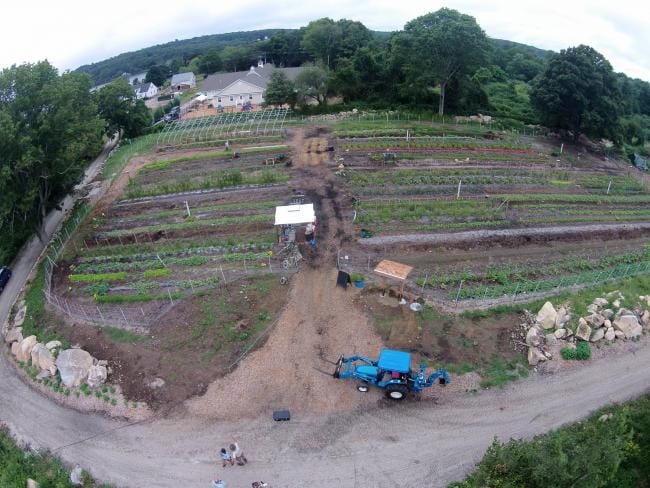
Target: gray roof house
x,y
146,90
228,89
181,81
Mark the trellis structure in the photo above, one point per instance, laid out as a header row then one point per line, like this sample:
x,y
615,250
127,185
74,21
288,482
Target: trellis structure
x,y
223,126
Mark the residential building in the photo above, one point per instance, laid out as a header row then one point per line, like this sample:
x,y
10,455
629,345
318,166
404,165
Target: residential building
x,y
183,81
146,90
242,87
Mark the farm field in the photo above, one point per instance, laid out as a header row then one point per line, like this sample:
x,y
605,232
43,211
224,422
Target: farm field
x,y
409,180
179,273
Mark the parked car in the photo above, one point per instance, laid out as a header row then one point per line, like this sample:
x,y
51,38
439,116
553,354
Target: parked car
x,y
5,274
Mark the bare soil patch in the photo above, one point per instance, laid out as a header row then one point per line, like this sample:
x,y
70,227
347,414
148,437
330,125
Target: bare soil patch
x,y
195,341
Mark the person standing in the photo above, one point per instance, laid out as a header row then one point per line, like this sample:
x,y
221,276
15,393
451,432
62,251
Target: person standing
x,y
237,453
226,458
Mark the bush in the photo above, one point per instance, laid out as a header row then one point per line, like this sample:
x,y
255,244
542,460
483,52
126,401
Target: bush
x,y
582,352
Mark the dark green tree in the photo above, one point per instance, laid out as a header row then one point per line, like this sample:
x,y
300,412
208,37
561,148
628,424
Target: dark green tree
x,y
326,41
121,110
439,47
210,62
280,90
158,74
237,58
578,91
49,129
312,84
284,48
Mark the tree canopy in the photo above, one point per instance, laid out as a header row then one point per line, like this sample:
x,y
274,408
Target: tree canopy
x,y
121,110
158,74
312,84
49,129
578,91
441,46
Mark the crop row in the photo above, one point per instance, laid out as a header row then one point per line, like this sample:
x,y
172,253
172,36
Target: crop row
x,y
168,163
534,286
506,274
159,263
470,176
182,212
145,290
177,247
435,144
223,179
192,224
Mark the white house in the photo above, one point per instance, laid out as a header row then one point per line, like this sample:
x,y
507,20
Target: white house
x,y
183,81
146,90
240,87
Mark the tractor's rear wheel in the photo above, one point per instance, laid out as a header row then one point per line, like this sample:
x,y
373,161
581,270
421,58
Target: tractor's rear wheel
x,y
396,392
362,387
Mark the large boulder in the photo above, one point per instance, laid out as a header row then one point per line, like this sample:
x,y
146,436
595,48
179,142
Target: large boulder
x,y
15,347
600,302
595,320
550,339
629,325
534,336
77,476
53,345
74,365
619,335
14,335
608,313
598,334
535,356
560,333
645,319
97,376
592,308
25,349
43,359
546,316
563,316
583,331
31,483
20,316
610,335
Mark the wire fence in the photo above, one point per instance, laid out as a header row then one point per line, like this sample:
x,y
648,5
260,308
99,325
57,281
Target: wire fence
x,y
140,315
465,296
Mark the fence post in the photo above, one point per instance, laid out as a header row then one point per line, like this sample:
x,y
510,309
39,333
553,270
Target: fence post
x,y
169,293
100,313
460,287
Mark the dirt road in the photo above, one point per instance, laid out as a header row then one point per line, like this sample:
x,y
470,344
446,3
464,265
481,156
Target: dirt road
x,y
417,444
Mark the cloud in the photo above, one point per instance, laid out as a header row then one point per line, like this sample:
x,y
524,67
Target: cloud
x,y
74,32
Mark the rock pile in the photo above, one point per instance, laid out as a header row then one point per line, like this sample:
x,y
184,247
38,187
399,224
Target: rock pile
x,y
606,320
75,366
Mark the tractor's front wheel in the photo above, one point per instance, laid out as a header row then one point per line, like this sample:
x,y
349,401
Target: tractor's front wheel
x,y
396,392
362,387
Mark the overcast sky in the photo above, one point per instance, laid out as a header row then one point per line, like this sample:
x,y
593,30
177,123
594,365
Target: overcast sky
x,y
70,33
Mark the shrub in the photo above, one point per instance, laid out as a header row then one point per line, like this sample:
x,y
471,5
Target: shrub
x,y
581,352
356,277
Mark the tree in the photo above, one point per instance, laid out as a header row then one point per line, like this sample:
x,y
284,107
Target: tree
x,y
327,41
441,46
157,74
121,110
49,129
578,91
358,77
312,83
280,90
236,58
210,62
284,48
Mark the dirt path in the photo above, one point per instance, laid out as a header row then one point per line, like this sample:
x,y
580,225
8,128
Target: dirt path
x,y
483,235
319,322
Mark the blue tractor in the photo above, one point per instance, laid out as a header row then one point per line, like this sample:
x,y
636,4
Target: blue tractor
x,y
392,372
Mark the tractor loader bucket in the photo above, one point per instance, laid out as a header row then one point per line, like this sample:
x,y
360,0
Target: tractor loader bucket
x,y
339,364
